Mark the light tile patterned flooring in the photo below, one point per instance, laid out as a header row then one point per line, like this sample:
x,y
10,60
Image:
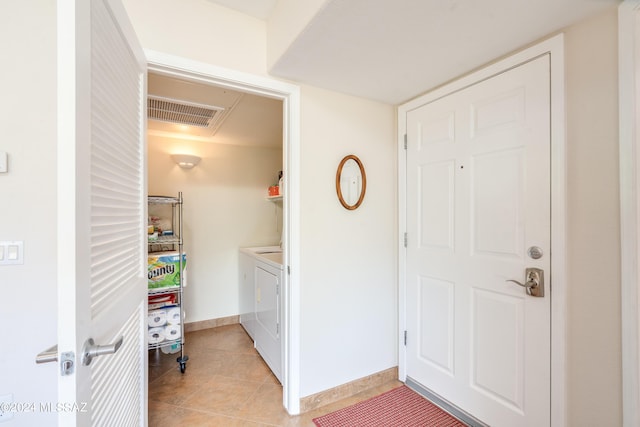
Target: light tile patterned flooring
x,y
225,384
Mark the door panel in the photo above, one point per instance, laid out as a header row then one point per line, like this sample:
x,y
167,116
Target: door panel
x,y
478,195
268,303
498,319
436,314
102,212
437,130
505,109
267,329
437,205
497,214
115,401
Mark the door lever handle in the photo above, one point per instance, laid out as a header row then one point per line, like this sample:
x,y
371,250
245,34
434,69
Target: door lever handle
x,y
49,355
91,350
528,285
535,282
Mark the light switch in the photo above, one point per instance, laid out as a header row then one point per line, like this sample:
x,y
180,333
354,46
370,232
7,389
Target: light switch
x,y
3,161
12,252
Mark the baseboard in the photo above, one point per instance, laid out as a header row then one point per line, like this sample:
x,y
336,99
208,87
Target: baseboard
x,y
211,323
349,389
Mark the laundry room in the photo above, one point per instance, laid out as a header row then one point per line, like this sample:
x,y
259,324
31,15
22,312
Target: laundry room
x,y
221,151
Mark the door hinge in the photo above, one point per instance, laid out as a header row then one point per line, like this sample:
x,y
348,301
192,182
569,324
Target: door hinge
x,y
405,240
405,141
288,270
405,338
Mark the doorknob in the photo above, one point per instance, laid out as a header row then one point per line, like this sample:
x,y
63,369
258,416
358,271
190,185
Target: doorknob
x,y
535,282
91,350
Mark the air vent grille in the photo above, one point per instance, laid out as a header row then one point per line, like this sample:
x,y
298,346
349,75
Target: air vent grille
x,y
181,112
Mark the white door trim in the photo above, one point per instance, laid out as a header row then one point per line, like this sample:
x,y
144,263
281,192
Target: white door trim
x,y
555,47
629,122
290,95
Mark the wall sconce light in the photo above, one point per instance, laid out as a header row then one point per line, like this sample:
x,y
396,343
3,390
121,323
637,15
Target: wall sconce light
x,y
185,161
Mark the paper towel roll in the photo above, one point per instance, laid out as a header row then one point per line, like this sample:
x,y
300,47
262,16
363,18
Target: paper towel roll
x,y
172,332
157,318
174,315
156,335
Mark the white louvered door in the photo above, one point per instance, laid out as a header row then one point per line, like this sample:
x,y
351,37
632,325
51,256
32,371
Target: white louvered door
x,y
101,214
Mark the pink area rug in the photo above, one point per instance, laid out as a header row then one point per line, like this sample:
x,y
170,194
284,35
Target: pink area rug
x,y
400,407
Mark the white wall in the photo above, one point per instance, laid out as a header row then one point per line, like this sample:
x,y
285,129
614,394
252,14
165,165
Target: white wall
x,y
593,249
224,209
28,203
348,284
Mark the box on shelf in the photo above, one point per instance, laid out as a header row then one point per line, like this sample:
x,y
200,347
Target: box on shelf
x,y
163,269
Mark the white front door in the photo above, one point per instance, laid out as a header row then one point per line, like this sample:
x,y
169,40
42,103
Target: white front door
x,y
101,252
478,198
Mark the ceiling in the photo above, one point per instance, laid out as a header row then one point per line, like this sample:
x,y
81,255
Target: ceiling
x,y
394,50
242,119
260,9
385,50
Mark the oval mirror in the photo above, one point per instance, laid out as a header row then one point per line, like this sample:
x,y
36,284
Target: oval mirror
x,y
351,182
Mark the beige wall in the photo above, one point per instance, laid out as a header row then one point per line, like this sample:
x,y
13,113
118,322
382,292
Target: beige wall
x,y
224,209
28,203
348,285
202,31
593,248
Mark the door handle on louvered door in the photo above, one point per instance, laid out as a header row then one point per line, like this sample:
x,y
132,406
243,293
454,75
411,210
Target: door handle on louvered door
x,y
535,282
91,350
48,355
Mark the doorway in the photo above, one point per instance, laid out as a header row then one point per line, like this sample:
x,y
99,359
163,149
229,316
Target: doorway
x,y
179,68
556,292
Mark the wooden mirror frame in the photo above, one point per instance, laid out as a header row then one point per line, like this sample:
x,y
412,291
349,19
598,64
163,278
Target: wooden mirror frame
x,y
339,188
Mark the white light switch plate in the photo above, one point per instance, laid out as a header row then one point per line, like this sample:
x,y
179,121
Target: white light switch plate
x,y
3,161
12,252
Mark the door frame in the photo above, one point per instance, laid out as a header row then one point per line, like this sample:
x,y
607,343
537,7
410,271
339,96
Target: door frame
x,y
289,94
629,144
553,46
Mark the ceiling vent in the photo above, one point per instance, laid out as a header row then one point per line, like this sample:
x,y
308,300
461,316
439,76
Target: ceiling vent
x,y
183,112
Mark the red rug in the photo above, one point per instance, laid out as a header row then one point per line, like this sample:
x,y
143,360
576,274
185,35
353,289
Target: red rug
x,y
400,407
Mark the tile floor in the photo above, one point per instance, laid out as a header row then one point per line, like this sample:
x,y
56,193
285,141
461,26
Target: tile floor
x,y
226,384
